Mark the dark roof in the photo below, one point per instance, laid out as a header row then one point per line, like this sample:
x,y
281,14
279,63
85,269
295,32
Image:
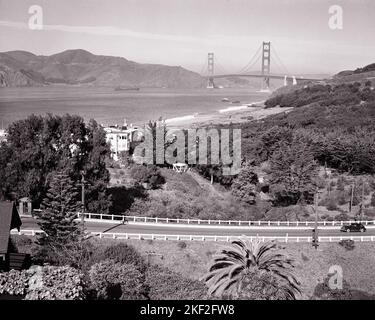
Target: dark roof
x,y
9,219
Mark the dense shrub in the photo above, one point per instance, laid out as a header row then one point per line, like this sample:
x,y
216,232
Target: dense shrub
x,y
119,253
262,285
44,283
340,136
347,244
75,254
14,282
342,94
323,291
113,280
164,284
182,244
183,205
56,283
149,175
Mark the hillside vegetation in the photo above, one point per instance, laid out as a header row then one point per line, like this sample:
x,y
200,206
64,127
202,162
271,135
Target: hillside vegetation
x,y
330,128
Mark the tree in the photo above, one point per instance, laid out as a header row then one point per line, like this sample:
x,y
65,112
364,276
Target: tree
x,y
270,140
57,218
95,171
292,173
148,174
243,187
241,266
39,146
373,200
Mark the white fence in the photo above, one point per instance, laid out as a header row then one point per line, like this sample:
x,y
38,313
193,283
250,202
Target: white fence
x,y
175,237
135,219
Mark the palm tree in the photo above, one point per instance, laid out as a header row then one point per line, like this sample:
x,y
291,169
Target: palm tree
x,y
235,268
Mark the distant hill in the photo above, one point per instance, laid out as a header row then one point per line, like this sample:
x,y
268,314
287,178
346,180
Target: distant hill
x,y
21,68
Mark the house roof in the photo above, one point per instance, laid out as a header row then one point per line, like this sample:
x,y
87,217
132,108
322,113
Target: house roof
x,y
9,219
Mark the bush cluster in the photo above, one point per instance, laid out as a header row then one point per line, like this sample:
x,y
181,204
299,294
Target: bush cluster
x,y
97,271
44,283
167,285
113,280
149,175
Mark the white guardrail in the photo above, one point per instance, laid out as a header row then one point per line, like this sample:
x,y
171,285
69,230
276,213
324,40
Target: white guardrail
x,y
175,237
138,219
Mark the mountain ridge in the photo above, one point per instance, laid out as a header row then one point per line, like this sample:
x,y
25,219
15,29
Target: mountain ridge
x,y
79,66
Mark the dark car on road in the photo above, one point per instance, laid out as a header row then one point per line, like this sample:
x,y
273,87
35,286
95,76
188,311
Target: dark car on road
x,y
353,227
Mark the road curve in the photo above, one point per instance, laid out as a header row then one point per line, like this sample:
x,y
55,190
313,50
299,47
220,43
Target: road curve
x,y
102,227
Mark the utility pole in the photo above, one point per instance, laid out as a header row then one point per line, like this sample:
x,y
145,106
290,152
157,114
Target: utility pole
x,y
315,238
351,198
362,199
83,181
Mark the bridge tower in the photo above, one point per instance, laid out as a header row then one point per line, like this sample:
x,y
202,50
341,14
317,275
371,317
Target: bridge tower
x,y
210,69
266,65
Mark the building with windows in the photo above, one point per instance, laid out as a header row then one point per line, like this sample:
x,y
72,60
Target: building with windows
x,y
120,138
3,135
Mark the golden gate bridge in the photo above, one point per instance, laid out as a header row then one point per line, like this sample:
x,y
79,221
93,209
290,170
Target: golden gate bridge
x,y
213,70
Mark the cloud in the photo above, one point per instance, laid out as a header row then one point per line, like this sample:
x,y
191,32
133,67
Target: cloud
x,y
214,40
107,31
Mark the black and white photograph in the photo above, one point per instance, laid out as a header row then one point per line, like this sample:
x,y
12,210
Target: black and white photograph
x,y
181,158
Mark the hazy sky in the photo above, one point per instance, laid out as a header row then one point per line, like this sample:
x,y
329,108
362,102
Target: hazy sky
x,y
182,32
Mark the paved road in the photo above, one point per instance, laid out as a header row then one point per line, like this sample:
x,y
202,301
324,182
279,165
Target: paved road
x,y
29,223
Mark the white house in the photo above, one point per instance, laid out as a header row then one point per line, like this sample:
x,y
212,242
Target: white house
x,y
119,138
3,135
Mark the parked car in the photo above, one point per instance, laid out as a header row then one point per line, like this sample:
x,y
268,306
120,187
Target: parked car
x,y
353,227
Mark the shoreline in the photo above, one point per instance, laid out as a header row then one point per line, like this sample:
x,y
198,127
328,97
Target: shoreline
x,y
231,114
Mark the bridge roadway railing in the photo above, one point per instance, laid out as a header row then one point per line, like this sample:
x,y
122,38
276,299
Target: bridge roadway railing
x,y
221,238
212,222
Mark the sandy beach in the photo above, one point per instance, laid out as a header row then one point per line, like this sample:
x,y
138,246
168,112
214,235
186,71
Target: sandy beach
x,y
231,114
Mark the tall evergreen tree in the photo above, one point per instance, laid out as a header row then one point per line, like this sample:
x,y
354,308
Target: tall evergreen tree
x,y
244,186
57,218
293,171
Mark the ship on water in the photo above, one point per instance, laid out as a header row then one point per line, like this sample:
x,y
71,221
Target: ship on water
x,y
127,89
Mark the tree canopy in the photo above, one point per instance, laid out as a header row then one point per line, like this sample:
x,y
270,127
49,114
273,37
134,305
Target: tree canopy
x,y
39,146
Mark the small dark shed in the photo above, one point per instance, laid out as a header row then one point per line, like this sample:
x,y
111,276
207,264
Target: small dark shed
x,y
9,219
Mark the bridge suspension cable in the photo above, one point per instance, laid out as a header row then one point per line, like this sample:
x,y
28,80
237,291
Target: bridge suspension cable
x,y
252,61
218,67
204,68
279,61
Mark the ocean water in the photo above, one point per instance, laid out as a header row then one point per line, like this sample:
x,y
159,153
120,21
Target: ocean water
x,y
108,106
